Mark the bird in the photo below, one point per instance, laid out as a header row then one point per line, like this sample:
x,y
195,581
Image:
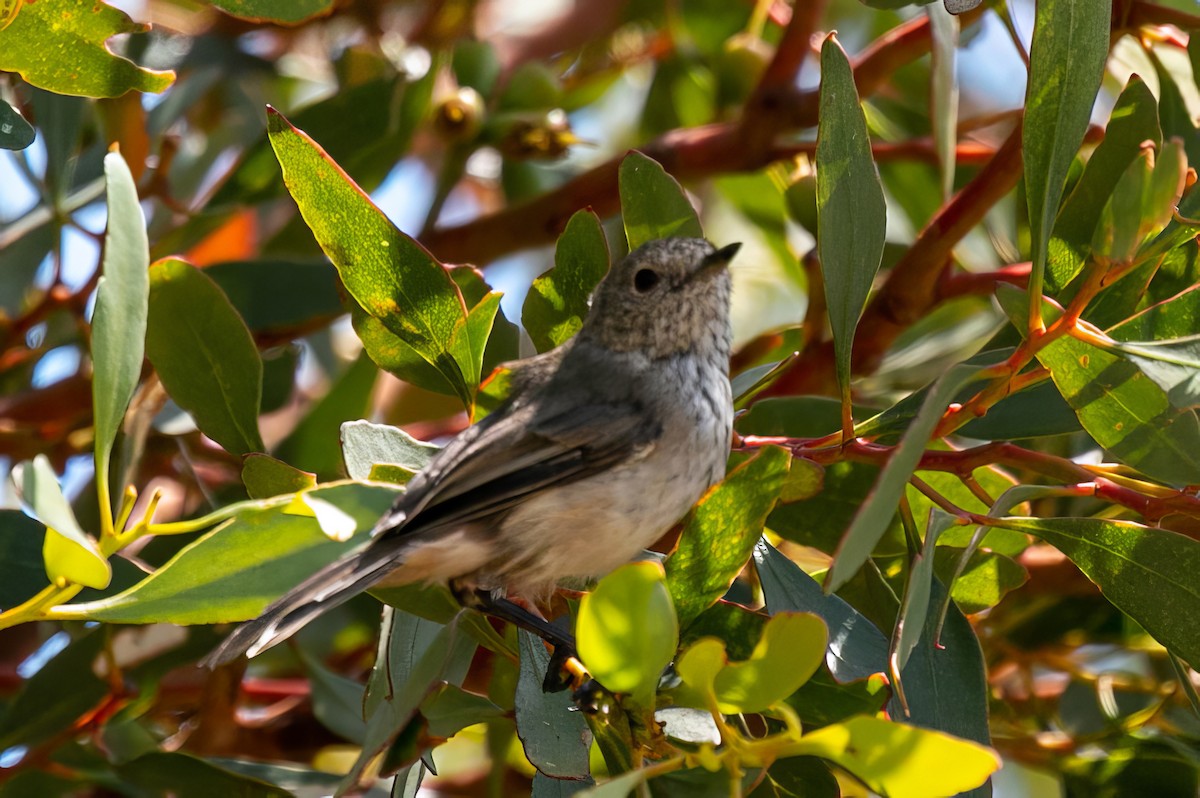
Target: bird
x,y
603,444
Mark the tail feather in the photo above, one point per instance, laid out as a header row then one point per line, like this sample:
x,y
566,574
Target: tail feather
x,y
334,584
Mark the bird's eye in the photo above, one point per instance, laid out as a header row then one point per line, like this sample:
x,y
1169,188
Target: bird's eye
x,y
644,280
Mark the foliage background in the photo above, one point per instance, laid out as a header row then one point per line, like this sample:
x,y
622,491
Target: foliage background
x,y
480,130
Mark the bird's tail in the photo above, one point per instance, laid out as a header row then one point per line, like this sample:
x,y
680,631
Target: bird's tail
x,y
334,584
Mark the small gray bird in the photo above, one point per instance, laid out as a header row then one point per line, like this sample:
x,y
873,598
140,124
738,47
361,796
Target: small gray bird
x,y
604,443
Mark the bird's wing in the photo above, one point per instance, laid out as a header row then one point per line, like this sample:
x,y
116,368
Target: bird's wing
x,y
497,463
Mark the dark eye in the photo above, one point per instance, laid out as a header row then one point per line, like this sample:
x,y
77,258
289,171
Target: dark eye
x,y
644,280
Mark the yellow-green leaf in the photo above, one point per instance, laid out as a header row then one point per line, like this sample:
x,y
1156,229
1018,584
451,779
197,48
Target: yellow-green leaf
x,y
898,760
627,631
61,45
69,553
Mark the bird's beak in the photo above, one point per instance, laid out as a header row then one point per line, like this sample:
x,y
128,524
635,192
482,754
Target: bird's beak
x,y
716,261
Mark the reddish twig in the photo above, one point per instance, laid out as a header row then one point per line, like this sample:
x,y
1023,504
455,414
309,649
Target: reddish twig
x,y
1153,502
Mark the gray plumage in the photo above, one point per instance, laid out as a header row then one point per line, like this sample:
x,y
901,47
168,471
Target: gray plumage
x,y
603,444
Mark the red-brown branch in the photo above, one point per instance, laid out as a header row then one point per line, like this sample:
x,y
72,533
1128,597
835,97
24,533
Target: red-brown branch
x,y
1153,505
688,154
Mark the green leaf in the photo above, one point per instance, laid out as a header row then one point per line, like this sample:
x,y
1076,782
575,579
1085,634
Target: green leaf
x,y
857,649
915,607
60,45
264,477
391,276
653,204
557,302
798,777
555,738
365,445
1134,120
1142,204
1147,573
119,320
627,631
900,761
204,355
1066,63
987,578
287,12
470,339
875,515
851,213
720,532
1173,365
945,680
15,132
789,653
1176,317
237,569
69,553
1127,414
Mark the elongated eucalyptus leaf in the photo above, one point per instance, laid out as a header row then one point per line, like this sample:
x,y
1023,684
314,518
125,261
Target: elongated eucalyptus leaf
x,y
851,213
391,276
915,608
943,28
1066,62
119,320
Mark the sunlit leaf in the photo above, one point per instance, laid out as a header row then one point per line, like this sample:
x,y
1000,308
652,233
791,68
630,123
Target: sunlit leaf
x,y
392,277
901,761
720,532
1066,63
61,45
1126,413
627,631
264,477
237,569
1134,120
